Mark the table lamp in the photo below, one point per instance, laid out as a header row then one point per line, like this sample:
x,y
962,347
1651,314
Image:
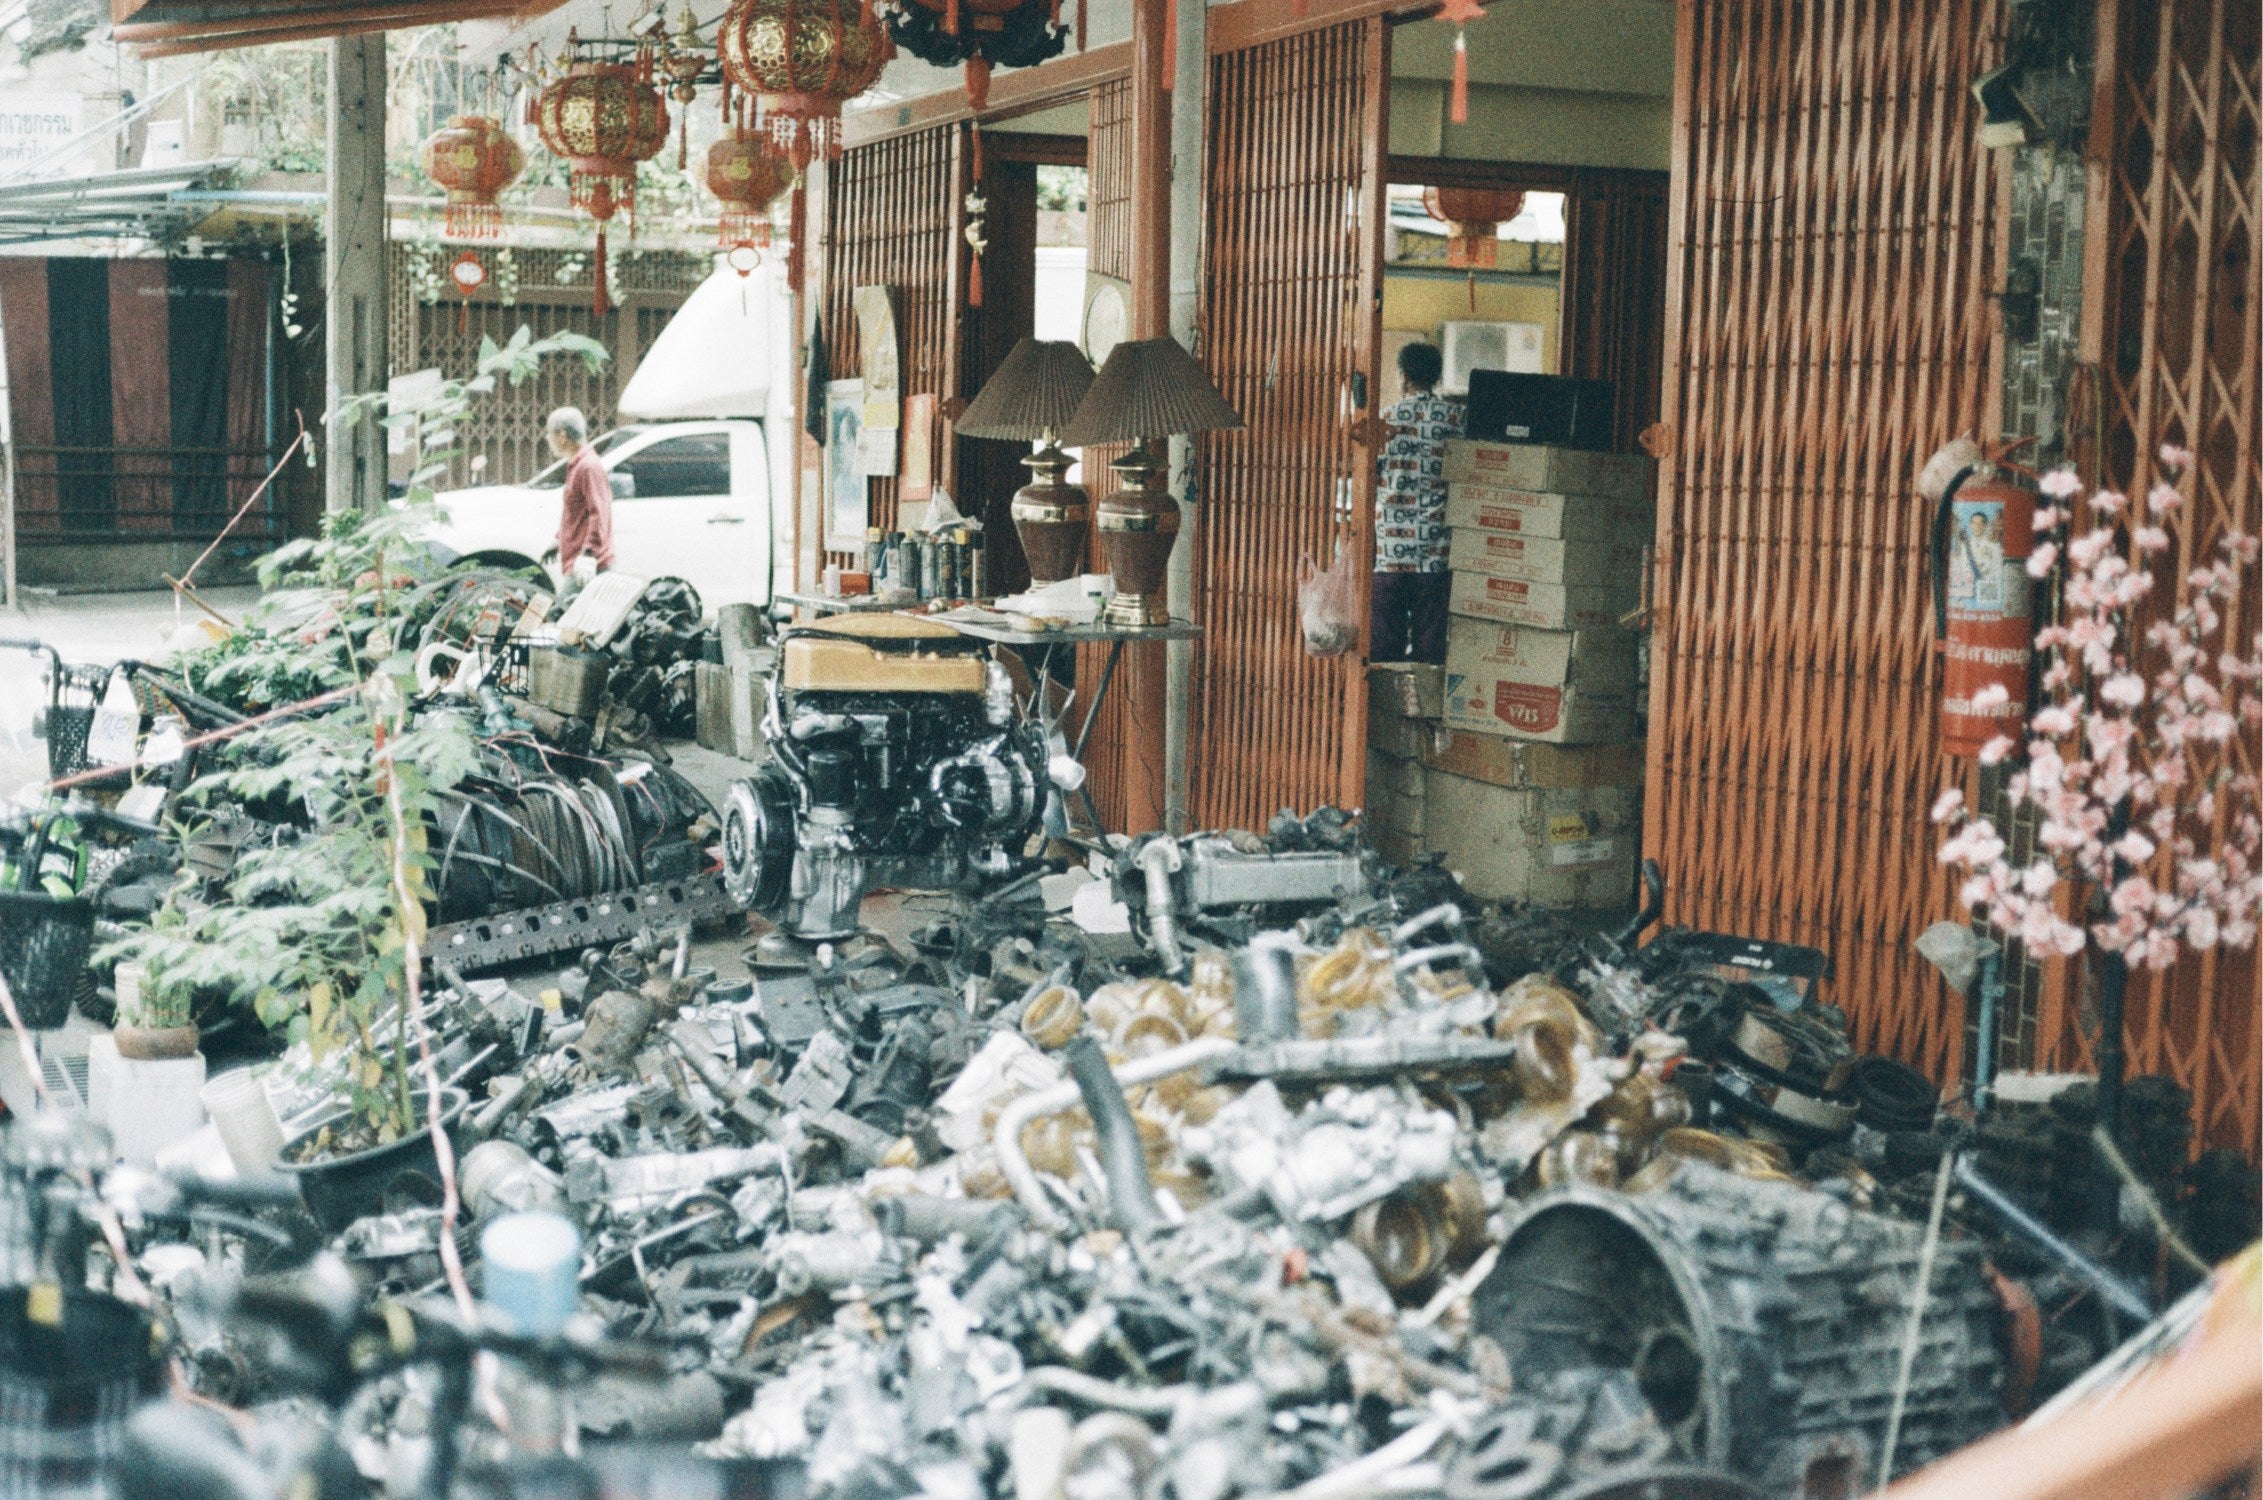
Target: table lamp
x,y
1148,388
1032,395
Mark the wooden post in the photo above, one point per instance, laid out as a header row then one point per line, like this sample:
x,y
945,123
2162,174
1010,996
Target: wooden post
x,y
353,266
1189,98
1142,682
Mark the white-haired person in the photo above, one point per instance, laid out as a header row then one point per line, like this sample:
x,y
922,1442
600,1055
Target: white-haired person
x,y
585,511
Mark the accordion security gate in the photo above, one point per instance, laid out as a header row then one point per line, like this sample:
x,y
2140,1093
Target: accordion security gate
x,y
1288,315
2178,282
1827,327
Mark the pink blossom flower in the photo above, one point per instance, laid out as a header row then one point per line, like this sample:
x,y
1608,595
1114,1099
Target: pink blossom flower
x,y
2174,457
2060,484
1994,695
2040,561
2163,499
2150,539
1948,804
2134,847
2123,690
1994,752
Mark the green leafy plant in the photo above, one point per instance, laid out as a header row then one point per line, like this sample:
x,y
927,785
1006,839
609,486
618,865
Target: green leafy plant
x,y
319,929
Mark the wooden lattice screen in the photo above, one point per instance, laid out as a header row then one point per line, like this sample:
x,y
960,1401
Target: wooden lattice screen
x,y
1288,315
891,210
2180,280
1827,328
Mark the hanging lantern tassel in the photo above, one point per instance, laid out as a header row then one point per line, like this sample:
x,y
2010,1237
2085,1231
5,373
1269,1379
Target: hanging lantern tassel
x,y
977,82
600,302
1461,77
951,16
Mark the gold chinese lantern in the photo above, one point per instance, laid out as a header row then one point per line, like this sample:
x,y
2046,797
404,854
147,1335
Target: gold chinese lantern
x,y
604,119
474,159
1471,215
802,60
747,176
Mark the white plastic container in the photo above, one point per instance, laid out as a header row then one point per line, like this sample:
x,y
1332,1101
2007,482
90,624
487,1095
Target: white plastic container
x,y
245,1118
146,1103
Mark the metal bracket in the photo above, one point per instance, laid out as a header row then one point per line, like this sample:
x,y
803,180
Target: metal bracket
x,y
533,931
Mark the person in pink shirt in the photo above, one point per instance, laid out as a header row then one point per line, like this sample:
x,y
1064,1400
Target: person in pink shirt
x,y
585,512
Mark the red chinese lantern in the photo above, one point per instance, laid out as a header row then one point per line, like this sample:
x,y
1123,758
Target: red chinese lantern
x,y
802,60
1471,215
747,176
474,159
604,119
468,275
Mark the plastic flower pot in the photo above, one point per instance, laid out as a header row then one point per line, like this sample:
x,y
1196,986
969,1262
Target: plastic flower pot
x,y
341,1189
74,1366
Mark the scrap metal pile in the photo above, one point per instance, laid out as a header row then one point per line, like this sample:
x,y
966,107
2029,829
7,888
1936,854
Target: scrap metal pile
x,y
1340,1209
1224,1165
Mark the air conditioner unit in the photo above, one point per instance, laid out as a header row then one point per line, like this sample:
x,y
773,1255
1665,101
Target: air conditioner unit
x,y
1467,346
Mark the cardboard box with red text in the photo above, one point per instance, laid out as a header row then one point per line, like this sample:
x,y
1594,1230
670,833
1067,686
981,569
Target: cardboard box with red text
x,y
1611,567
1559,471
1540,606
1569,687
1571,518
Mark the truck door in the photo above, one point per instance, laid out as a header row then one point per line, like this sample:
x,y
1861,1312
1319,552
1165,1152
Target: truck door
x,y
675,516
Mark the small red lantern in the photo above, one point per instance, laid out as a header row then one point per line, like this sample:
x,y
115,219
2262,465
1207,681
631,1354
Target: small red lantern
x,y
474,159
1472,214
604,119
747,176
469,274
802,60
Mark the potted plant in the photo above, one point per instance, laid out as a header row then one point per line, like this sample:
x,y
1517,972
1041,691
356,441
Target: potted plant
x,y
319,928
153,1021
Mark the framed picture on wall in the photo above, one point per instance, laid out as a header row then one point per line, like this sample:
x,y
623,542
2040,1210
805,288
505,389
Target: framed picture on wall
x,y
847,499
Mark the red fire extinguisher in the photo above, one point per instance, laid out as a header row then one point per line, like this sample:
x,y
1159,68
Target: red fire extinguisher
x,y
1983,612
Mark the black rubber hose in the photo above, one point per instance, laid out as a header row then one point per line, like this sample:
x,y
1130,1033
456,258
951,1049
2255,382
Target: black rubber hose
x,y
1131,1197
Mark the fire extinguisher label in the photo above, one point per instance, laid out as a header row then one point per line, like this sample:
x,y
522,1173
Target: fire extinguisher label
x,y
1984,679
1982,579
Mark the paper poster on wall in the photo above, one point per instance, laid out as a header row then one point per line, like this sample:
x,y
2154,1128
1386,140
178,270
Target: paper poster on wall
x,y
916,480
846,499
876,451
877,358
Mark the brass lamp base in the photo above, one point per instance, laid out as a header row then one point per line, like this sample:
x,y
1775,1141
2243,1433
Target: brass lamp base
x,y
1050,517
1138,525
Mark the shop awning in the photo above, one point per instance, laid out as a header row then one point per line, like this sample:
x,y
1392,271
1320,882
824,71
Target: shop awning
x,y
136,204
159,28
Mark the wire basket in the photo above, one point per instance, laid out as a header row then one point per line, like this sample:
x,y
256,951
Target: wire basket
x,y
68,727
43,947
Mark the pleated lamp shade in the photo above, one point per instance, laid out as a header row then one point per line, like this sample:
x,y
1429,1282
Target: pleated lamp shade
x,y
1148,388
1032,394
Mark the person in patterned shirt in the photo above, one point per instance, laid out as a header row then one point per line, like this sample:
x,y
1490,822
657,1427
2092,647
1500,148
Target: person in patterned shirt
x,y
1407,602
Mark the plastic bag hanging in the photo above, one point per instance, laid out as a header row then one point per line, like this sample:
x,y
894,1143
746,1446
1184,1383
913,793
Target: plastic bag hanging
x,y
1328,602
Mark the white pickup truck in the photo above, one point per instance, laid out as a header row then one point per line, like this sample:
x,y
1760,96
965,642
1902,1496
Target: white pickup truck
x,y
691,500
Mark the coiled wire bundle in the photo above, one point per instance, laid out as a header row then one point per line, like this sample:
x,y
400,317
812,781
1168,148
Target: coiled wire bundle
x,y
579,827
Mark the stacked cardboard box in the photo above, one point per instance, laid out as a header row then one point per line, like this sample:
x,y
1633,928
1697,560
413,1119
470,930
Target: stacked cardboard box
x,y
1405,701
1534,792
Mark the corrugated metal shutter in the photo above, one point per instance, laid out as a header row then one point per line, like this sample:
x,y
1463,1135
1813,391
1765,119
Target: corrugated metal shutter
x,y
1288,315
1827,324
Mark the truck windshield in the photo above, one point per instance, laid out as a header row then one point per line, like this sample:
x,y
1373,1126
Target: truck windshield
x,y
555,476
